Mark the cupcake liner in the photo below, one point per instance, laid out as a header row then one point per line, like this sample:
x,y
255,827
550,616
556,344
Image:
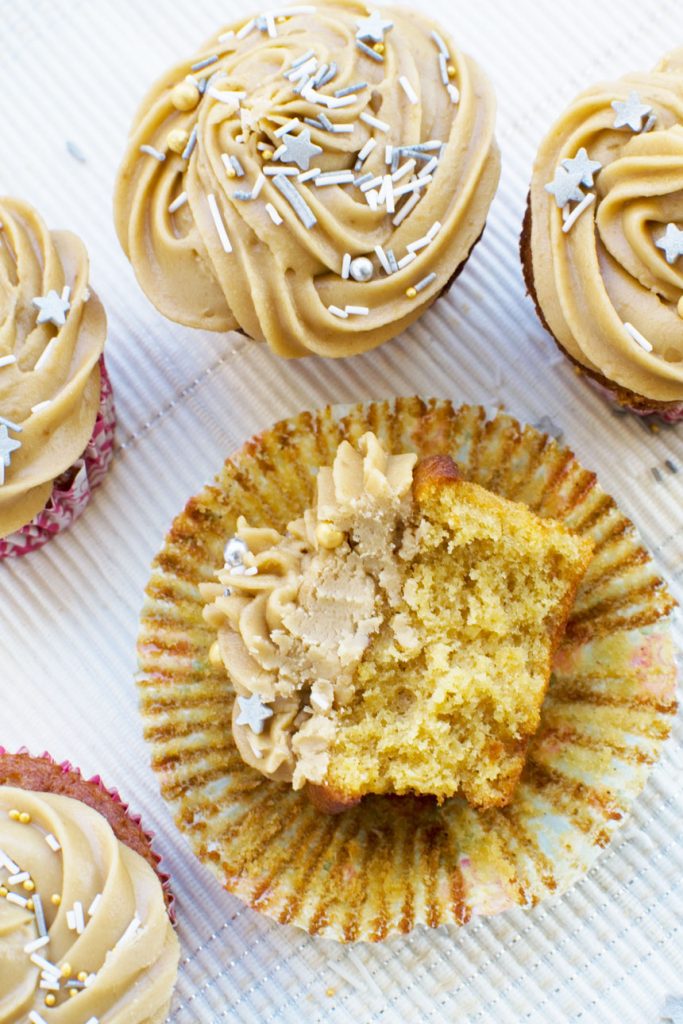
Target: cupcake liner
x,y
391,863
42,773
72,490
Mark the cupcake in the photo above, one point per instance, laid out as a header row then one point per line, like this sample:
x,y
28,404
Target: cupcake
x,y
391,862
398,637
602,242
314,179
56,407
84,909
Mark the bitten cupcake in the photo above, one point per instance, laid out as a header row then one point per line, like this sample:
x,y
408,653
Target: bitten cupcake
x,y
84,918
313,177
602,243
56,406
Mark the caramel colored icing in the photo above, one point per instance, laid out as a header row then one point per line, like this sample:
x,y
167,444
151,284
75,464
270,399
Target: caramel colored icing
x,y
607,270
281,282
125,950
296,612
52,390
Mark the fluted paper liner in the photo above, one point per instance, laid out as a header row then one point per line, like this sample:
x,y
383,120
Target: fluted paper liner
x,y
391,863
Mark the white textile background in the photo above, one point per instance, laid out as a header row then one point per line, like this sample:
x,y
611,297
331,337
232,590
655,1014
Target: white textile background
x,y
74,70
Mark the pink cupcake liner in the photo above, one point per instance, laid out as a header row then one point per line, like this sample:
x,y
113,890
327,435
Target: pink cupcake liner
x,y
73,489
67,768
672,414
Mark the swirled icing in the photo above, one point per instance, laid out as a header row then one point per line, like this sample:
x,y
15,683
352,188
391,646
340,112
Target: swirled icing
x,y
127,949
296,614
52,389
607,270
283,282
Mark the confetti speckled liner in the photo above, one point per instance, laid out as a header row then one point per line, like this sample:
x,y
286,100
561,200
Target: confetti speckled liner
x,y
43,774
392,863
72,490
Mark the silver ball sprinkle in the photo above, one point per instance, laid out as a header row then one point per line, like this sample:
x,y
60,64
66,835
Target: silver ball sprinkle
x,y
234,552
361,269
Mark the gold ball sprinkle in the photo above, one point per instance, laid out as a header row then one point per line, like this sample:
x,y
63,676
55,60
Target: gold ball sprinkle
x,y
25,818
14,814
281,19
177,139
29,885
66,970
451,71
50,999
3,891
82,975
73,992
411,293
185,96
267,154
230,171
29,905
330,991
378,47
55,899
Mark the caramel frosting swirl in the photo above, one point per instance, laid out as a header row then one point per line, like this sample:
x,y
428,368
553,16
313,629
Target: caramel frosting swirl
x,y
609,289
295,612
229,225
49,372
121,955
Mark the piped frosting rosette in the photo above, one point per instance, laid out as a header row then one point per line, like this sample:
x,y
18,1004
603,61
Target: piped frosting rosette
x,y
606,235
313,176
55,400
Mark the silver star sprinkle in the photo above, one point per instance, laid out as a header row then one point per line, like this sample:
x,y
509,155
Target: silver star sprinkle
x,y
299,149
373,27
582,165
630,112
7,446
671,242
53,308
253,712
565,187
234,552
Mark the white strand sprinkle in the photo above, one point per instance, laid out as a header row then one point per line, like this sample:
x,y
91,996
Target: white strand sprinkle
x,y
371,183
17,428
408,258
270,25
443,68
218,221
152,151
7,360
637,337
381,256
49,984
224,36
371,198
387,194
307,175
129,932
577,211
341,129
453,92
288,127
78,915
256,190
302,59
226,95
237,166
295,200
388,154
413,186
357,310
35,1018
18,878
92,909
39,914
407,168
350,89
45,965
178,202
434,230
36,944
428,167
272,171
273,214
365,152
418,244
191,142
336,311
334,178
369,52
19,901
207,62
346,265
425,282
440,43
374,122
246,29
71,920
408,89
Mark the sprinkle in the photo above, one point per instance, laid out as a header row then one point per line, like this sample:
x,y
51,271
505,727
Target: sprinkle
x,y
357,310
299,149
17,428
361,269
320,73
371,198
256,190
407,168
283,129
649,124
303,70
369,52
191,142
298,204
582,165
350,89
71,920
406,208
226,35
178,202
410,293
386,193
346,265
152,151
413,186
443,68
371,183
453,92
440,43
362,179
375,122
273,214
49,984
373,27
365,152
418,244
133,926
39,915
408,89
671,242
7,360
6,861
246,29
270,25
425,282
656,474
340,129
637,337
45,965
36,944
75,151
630,112
434,230
302,84
334,178
336,311
218,221
307,175
35,1018
18,878
381,256
577,211
200,65
328,76
392,261
388,154
671,466
242,195
302,59
334,102
428,167
270,171
78,914
226,95
406,260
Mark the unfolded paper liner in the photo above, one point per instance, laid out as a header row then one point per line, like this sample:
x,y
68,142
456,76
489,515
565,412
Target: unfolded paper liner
x,y
42,773
72,490
391,863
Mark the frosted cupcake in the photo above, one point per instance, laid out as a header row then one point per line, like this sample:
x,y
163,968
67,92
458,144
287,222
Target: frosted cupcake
x,y
313,177
83,908
57,415
602,244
